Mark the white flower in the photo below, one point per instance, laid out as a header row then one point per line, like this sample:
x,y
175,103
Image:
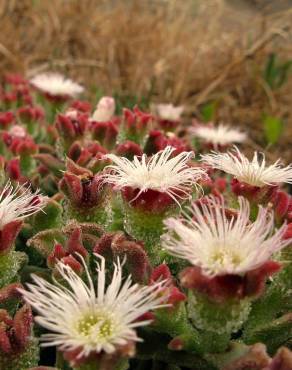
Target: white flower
x,y
220,245
19,203
220,135
56,85
105,109
161,172
168,112
88,318
254,173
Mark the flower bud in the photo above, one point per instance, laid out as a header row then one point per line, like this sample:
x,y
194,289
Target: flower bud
x,y
6,119
129,149
105,109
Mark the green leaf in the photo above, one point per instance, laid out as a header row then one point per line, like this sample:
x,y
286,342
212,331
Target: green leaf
x,y
270,72
10,264
45,240
275,73
273,127
208,111
49,218
275,334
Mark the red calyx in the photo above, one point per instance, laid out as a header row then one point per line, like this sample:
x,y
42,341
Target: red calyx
x,y
254,194
168,125
229,286
150,200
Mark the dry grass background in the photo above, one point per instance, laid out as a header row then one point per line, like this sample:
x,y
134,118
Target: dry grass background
x,y
183,51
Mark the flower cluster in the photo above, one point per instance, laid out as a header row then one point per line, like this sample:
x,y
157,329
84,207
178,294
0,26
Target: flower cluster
x,y
127,237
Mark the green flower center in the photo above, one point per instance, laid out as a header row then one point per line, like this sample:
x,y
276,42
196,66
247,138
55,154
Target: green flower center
x,y
98,325
225,257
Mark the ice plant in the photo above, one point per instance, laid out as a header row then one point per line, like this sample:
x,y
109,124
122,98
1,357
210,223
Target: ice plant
x,y
56,85
160,173
222,245
218,136
255,172
19,203
169,112
253,179
230,258
15,205
169,116
121,185
88,319
151,189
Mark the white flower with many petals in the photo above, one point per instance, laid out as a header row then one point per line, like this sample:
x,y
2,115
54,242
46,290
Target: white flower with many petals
x,y
218,136
168,112
222,245
105,109
254,172
82,317
56,84
19,203
163,173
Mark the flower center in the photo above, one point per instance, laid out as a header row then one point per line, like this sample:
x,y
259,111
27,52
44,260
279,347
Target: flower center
x,y
96,326
226,257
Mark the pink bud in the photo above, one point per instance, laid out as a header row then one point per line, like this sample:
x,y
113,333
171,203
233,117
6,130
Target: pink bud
x,y
105,109
18,131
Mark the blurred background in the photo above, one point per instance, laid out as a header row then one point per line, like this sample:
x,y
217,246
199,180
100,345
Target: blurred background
x,y
225,60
